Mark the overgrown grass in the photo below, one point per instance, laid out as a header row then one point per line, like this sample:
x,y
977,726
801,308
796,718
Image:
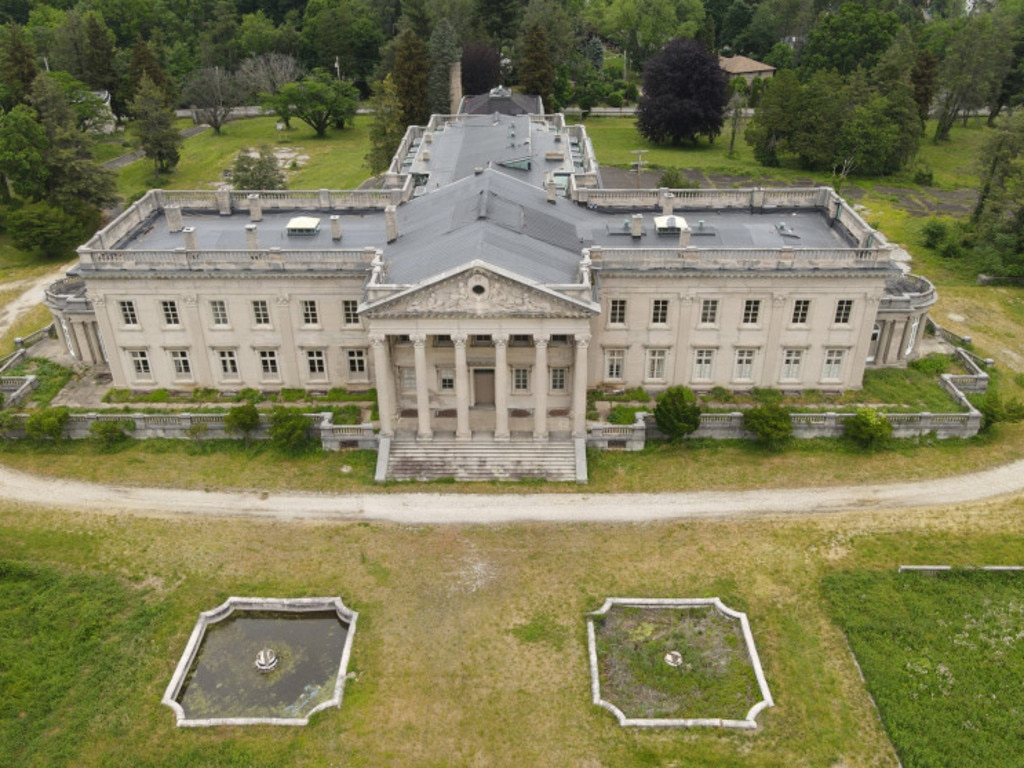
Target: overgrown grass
x,y
52,378
943,656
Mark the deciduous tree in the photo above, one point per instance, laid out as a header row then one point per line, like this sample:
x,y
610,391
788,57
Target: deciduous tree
x,y
257,169
685,94
212,93
320,101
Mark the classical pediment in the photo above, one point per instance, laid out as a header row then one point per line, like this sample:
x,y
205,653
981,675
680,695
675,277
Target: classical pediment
x,y
479,292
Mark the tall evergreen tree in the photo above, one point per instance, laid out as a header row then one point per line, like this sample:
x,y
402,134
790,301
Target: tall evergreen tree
x,y
154,125
410,78
444,51
387,127
17,64
536,70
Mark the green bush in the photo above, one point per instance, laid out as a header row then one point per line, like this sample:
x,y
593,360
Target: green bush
x,y
868,428
156,396
118,396
47,423
933,364
770,424
670,178
289,430
242,420
624,414
348,414
290,395
934,232
615,99
923,175
995,410
204,395
677,413
721,395
767,396
110,433
249,395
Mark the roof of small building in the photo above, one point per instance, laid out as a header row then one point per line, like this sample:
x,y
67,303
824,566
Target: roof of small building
x,y
503,101
742,65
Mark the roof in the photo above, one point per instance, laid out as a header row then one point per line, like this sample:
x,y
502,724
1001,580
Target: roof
x,y
741,65
503,101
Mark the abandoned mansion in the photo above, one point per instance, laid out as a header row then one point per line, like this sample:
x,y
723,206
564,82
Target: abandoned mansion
x,y
488,284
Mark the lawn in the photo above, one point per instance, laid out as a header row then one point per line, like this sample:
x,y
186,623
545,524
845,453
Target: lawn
x,y
943,656
471,646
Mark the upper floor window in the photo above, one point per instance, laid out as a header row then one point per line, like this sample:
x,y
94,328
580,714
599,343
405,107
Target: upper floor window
x,y
751,311
801,309
260,312
357,361
170,310
228,362
219,311
617,312
520,340
709,312
268,362
659,311
128,314
557,379
310,313
520,379
844,309
350,311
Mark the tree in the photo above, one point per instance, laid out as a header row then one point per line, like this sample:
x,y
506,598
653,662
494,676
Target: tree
x,y
444,51
319,100
23,146
242,420
51,231
17,64
685,94
212,93
770,424
109,434
154,125
289,430
868,428
47,423
481,68
143,62
998,217
536,69
387,128
267,72
854,36
410,78
257,170
677,413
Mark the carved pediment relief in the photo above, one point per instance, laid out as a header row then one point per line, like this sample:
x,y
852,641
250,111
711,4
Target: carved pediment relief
x,y
479,293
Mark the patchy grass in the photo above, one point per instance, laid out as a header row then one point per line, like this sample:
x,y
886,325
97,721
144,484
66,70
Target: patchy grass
x,y
51,376
943,656
29,322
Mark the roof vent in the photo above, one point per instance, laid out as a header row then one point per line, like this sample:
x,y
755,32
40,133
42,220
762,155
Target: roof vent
x,y
303,225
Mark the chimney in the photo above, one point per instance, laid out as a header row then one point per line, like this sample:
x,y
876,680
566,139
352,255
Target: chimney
x,y
455,85
684,235
636,225
252,239
191,239
552,190
175,223
391,223
425,155
667,202
335,227
255,208
224,202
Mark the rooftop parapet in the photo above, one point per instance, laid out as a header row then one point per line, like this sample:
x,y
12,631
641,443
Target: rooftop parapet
x,y
270,260
746,259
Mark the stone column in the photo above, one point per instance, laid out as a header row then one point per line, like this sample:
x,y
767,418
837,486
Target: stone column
x,y
462,428
385,381
540,386
579,386
500,386
423,430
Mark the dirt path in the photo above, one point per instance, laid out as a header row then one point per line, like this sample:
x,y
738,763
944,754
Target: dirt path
x,y
416,508
32,294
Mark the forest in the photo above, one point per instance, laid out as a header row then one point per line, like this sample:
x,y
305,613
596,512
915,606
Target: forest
x,y
855,83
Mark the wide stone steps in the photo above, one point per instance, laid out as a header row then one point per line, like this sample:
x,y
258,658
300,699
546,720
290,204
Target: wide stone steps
x,y
410,459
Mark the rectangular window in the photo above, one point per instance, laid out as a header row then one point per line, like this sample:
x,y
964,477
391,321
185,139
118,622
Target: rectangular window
x,y
481,340
614,364
316,362
260,312
520,379
558,379
709,312
446,379
659,312
182,365
219,310
833,364
228,362
268,362
844,308
128,314
310,313
170,309
744,364
357,362
140,363
801,308
617,312
791,361
443,341
520,340
703,360
407,379
751,311
656,364
350,310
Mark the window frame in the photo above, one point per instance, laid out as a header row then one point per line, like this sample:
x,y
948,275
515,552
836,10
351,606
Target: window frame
x,y
832,367
316,363
270,364
558,378
310,313
801,311
703,363
615,363
743,364
355,362
172,317
228,359
445,379
656,364
129,313
616,312
792,364
219,313
181,364
751,312
520,380
142,367
844,312
659,311
261,313
708,312
350,312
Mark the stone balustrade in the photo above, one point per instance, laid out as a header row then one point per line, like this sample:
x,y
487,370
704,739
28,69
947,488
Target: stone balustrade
x,y
272,259
632,259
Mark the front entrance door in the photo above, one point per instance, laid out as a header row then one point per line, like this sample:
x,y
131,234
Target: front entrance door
x,y
483,386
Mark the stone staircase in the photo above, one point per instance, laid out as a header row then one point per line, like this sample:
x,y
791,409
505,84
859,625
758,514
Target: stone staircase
x,y
481,459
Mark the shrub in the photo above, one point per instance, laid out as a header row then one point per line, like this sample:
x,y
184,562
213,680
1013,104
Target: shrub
x,y
290,395
932,365
289,430
770,424
624,414
995,410
923,175
721,395
348,414
671,178
118,396
110,433
249,395
242,420
203,395
615,99
868,428
677,413
934,232
47,423
767,396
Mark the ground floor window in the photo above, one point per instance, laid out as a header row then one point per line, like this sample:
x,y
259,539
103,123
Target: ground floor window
x,y
407,379
614,364
520,380
182,365
791,362
558,378
744,365
703,362
228,362
140,363
833,364
316,362
268,363
656,364
446,379
357,361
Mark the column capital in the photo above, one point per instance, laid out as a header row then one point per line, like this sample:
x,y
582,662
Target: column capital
x,y
377,339
541,339
582,340
418,339
459,340
499,339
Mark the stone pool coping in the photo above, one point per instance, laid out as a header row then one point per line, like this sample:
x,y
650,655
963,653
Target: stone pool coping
x,y
638,602
225,609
